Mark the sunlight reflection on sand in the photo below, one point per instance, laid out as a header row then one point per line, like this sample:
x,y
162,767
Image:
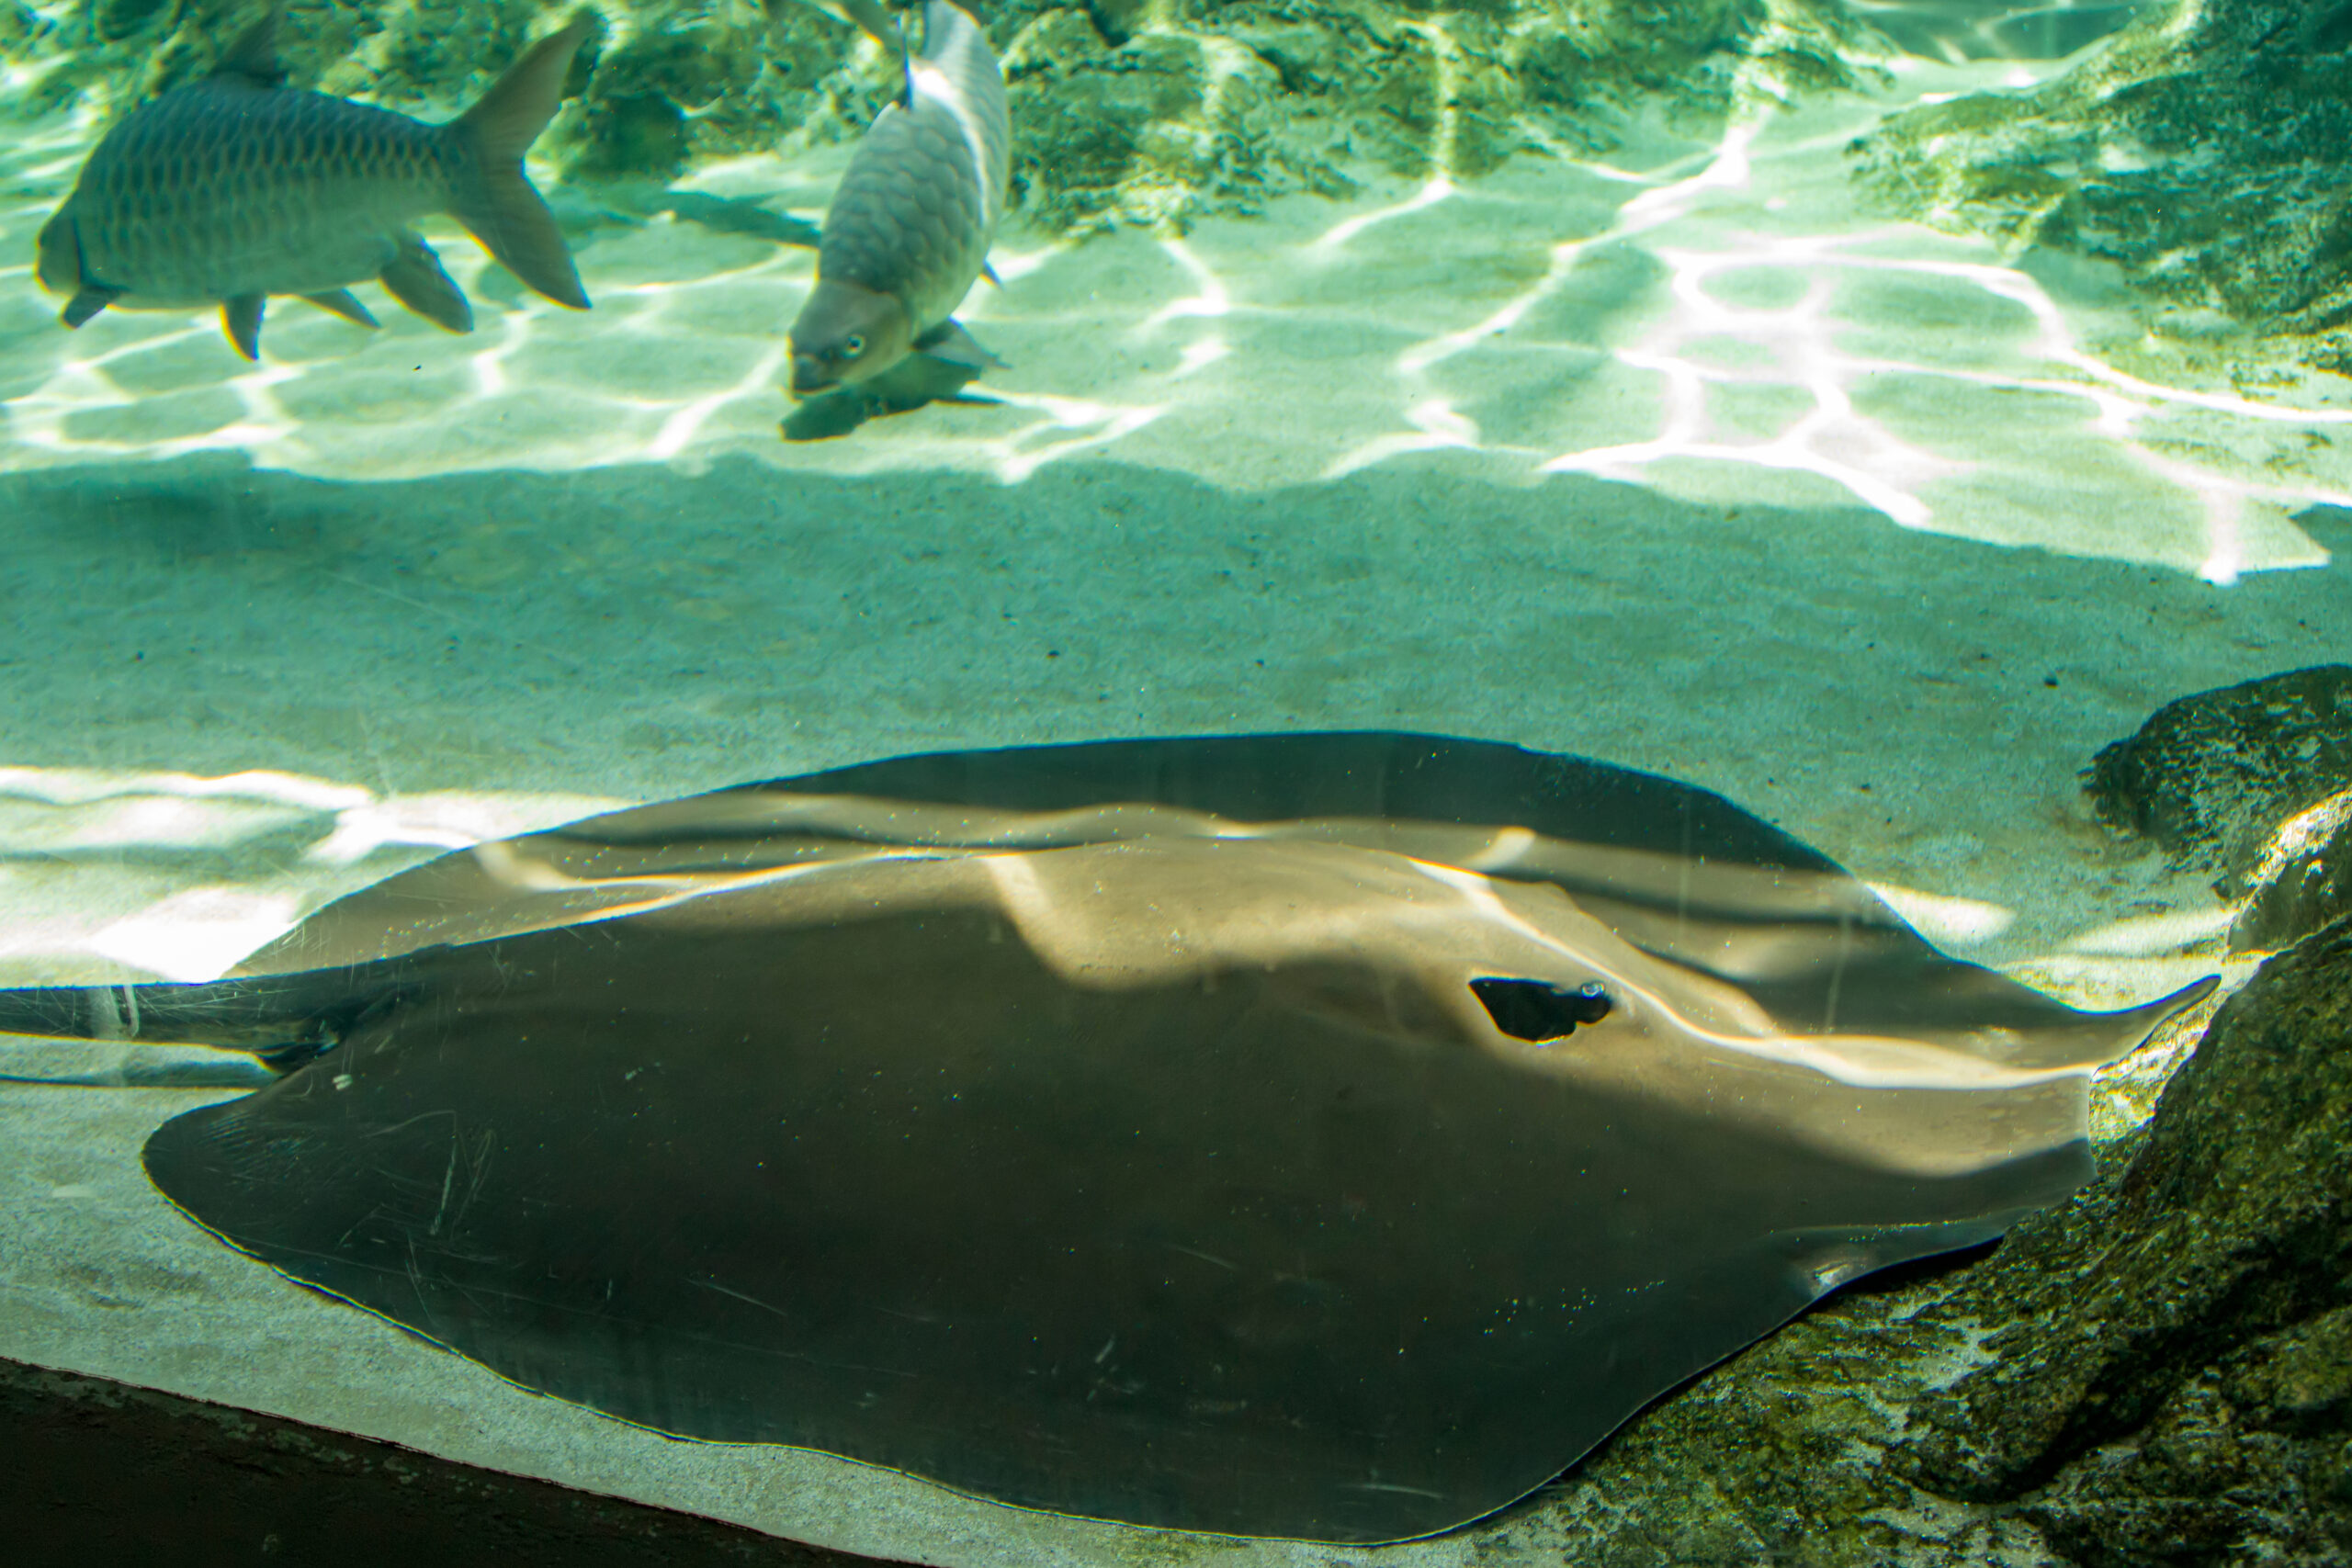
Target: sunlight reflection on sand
x,y
1716,321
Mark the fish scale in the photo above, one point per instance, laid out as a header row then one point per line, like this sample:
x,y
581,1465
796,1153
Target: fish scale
x,y
910,219
318,184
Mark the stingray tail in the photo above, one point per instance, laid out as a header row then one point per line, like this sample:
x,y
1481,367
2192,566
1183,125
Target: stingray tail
x,y
490,194
283,1020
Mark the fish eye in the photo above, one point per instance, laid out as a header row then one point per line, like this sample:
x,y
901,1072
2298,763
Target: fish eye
x,y
1538,1012
852,345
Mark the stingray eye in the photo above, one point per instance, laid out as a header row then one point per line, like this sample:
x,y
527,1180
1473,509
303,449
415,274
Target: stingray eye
x,y
852,345
1538,1010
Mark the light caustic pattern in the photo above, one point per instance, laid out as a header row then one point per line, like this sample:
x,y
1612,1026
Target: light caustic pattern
x,y
1712,321
1694,347
129,909
682,357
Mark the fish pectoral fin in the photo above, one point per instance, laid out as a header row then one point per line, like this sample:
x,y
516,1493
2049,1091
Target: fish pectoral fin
x,y
949,341
494,199
416,279
344,303
990,273
88,301
826,418
241,317
252,58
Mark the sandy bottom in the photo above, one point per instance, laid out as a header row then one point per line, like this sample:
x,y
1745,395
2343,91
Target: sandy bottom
x,y
1684,463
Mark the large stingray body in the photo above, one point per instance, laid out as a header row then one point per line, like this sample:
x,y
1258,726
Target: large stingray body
x,y
1117,1129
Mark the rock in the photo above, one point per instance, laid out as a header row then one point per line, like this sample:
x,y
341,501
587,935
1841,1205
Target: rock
x,y
2169,1384
2303,883
2158,1371
663,82
2213,777
2203,152
1123,112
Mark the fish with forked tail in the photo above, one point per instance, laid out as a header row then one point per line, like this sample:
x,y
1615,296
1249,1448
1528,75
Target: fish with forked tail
x,y
236,188
909,230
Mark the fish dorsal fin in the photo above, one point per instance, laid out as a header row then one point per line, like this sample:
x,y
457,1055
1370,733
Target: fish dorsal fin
x,y
252,58
506,120
869,18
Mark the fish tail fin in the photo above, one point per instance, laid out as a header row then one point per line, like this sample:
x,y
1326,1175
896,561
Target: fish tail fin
x,y
491,194
284,1020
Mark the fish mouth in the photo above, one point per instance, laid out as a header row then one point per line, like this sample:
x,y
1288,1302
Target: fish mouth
x,y
57,255
809,376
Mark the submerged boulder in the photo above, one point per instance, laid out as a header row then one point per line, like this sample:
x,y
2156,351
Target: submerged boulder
x,y
1123,112
2252,786
2202,152
2305,880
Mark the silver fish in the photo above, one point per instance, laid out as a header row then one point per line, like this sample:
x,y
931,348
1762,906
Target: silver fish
x,y
236,188
909,227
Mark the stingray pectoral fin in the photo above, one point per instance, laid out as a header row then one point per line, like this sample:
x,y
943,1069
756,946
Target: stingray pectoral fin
x,y
2056,1038
240,319
344,303
417,281
2133,1026
88,302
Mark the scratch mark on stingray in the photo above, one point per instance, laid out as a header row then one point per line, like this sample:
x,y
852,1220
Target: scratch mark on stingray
x,y
420,1116
1206,1256
748,1301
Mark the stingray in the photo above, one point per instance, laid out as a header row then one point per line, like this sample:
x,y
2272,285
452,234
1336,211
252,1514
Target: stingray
x,y
1325,1136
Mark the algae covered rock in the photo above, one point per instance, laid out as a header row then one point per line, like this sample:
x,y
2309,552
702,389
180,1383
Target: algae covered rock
x,y
2203,151
662,82
1123,111
2213,777
2172,1383
2250,784
2304,881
